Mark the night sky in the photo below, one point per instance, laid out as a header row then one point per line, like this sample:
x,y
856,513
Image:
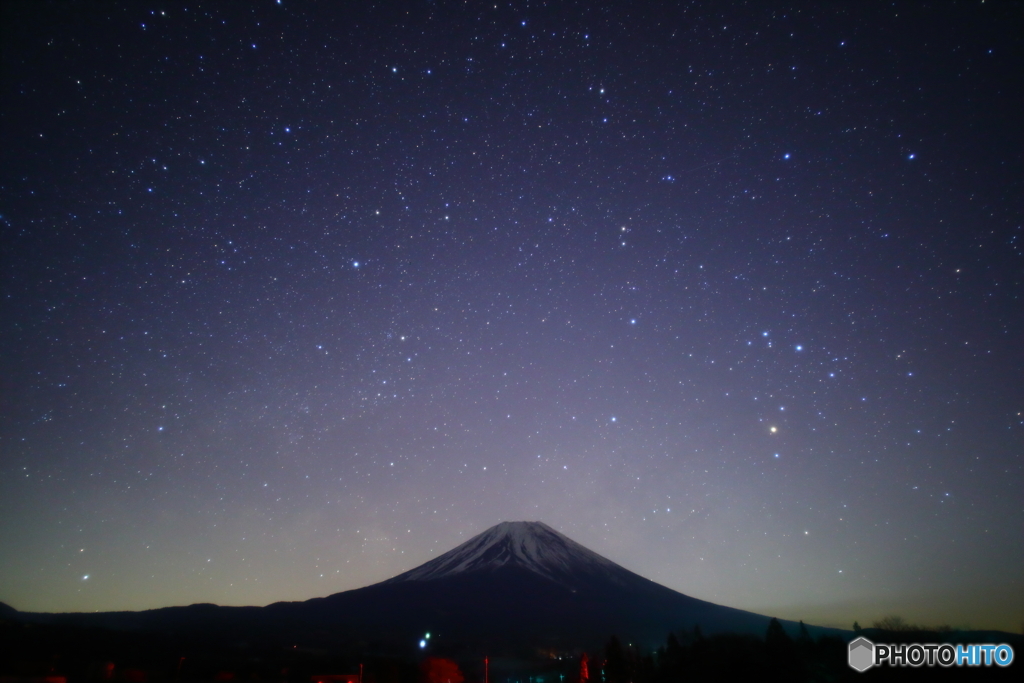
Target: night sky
x,y
298,295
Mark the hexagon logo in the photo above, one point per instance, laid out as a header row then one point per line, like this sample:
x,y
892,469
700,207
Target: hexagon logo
x,y
861,654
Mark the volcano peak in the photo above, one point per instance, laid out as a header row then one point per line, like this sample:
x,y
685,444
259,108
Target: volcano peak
x,y
533,546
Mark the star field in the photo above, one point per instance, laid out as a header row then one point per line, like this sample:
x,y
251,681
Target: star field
x,y
297,296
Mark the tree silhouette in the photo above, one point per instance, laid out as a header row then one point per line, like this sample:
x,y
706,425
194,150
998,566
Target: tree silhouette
x,y
783,659
895,623
615,669
776,635
615,662
673,660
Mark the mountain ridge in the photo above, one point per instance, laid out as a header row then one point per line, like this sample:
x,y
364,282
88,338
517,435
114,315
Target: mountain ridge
x,y
515,584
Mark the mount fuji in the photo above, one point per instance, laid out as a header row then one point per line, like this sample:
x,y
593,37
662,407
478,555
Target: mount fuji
x,y
516,584
533,546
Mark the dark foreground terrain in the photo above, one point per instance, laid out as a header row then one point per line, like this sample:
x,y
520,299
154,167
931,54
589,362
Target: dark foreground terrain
x,y
54,653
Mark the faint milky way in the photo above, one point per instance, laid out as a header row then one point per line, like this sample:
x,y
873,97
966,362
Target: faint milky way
x,y
297,296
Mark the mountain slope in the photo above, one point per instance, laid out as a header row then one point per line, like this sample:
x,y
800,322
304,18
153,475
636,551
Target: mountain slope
x,y
531,545
524,582
516,584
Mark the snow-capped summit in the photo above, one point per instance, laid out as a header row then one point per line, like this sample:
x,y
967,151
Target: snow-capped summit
x,y
529,545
